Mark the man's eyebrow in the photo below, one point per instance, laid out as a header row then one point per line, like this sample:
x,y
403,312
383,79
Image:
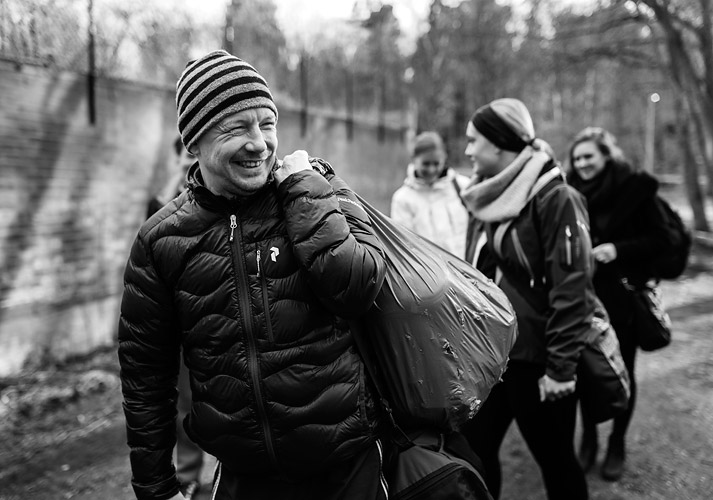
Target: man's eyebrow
x,y
234,121
242,121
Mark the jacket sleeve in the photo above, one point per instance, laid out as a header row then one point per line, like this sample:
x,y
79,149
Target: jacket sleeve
x,y
149,360
333,240
564,227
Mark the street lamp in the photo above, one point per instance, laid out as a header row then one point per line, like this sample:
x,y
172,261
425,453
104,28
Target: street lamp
x,y
650,131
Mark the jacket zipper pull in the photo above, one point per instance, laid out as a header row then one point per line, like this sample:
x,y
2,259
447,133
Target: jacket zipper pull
x,y
258,263
233,225
568,245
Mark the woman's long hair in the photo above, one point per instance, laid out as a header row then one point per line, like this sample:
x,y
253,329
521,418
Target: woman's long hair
x,y
605,142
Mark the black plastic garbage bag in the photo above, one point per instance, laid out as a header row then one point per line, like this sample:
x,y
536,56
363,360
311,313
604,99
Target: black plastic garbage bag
x,y
439,332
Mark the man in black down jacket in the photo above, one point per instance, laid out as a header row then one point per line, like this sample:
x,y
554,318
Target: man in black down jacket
x,y
254,271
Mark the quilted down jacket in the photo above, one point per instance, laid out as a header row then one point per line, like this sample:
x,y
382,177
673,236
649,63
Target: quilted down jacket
x,y
257,293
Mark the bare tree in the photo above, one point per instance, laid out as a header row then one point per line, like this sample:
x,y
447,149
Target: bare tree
x,y
467,57
685,34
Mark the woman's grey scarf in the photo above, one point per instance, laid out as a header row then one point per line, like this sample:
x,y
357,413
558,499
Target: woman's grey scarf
x,y
503,196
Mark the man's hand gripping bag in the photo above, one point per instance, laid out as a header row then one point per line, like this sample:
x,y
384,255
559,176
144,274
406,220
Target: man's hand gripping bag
x,y
439,332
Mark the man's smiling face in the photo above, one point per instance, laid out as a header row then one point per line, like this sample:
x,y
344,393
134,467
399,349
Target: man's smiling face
x,y
237,154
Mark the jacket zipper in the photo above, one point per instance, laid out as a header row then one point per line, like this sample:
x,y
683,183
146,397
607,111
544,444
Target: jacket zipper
x,y
522,257
217,474
253,365
265,302
233,225
568,245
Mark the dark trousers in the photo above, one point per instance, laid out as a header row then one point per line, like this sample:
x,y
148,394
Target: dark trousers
x,y
547,428
360,478
629,347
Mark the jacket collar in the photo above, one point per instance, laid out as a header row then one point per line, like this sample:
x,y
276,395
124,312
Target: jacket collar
x,y
412,181
213,202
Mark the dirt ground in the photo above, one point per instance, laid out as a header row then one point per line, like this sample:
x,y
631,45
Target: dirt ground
x,y
62,429
670,440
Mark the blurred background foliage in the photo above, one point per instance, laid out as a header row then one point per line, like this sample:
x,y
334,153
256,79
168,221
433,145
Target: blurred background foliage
x,y
640,68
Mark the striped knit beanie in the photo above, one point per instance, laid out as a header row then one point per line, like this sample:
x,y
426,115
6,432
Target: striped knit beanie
x,y
213,87
506,123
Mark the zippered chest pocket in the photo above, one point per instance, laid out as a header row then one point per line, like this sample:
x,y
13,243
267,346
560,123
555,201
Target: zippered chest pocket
x,y
264,291
273,259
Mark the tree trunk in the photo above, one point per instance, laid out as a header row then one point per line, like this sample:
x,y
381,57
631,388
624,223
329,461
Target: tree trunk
x,y
698,90
705,144
690,166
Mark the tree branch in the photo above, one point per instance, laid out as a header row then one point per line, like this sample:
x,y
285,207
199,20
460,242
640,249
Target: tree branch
x,y
672,14
628,55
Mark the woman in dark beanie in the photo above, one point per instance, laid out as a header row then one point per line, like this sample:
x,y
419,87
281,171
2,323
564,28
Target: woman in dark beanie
x,y
626,233
535,227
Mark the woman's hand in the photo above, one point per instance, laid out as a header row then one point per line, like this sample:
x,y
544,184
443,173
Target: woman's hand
x,y
293,163
552,390
605,253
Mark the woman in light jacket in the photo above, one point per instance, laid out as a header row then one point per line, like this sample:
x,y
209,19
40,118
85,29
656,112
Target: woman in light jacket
x,y
429,203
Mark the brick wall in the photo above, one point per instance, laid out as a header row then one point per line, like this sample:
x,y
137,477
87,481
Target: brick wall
x,y
73,194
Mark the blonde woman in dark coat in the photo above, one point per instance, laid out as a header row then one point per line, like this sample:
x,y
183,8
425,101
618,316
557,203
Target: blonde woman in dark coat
x,y
626,234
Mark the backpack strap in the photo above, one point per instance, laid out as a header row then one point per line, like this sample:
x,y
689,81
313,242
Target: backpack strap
x,y
398,435
458,189
541,182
